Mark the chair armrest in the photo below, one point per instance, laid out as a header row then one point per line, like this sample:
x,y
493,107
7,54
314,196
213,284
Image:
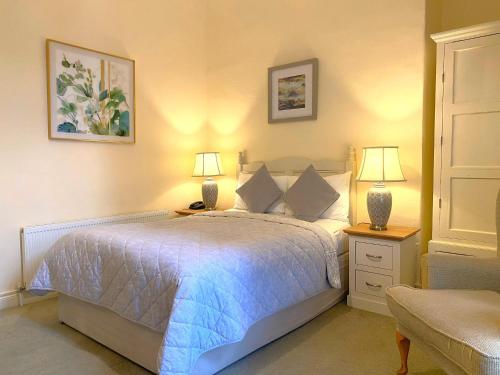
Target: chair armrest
x,y
459,272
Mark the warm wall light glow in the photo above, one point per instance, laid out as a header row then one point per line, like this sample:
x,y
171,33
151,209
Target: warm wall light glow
x,y
227,115
381,164
184,193
179,112
185,123
207,164
388,91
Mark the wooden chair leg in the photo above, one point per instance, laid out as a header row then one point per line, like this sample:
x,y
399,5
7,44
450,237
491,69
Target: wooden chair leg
x,y
404,349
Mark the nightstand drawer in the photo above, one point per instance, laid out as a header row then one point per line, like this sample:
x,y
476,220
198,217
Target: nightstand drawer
x,y
372,283
373,255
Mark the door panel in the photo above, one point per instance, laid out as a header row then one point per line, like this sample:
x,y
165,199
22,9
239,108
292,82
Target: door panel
x,y
476,71
470,151
470,209
475,140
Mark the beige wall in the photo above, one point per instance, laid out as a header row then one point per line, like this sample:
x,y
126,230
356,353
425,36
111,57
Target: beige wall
x,y
432,25
371,62
44,181
461,13
372,80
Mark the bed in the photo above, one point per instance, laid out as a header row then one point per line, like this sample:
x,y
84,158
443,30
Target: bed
x,y
195,294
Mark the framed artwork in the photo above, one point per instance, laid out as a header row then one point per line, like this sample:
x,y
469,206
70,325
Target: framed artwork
x,y
293,91
91,95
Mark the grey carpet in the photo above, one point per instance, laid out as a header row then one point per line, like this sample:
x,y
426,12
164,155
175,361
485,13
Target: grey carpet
x,y
340,341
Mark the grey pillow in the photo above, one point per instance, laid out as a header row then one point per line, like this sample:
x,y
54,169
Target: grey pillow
x,y
310,195
260,191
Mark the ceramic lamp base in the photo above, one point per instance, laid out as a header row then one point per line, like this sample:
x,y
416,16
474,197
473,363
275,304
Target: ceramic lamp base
x,y
379,202
209,192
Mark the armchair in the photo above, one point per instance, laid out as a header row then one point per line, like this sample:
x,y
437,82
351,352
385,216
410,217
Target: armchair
x,y
457,320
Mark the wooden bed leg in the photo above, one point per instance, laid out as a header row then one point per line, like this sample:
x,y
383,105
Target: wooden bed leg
x,y
404,349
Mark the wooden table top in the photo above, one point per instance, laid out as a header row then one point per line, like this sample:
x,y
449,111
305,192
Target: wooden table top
x,y
188,211
393,232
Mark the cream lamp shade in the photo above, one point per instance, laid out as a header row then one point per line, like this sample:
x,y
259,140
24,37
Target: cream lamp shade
x,y
381,164
207,164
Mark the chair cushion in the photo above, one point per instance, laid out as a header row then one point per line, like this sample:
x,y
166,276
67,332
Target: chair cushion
x,y
463,325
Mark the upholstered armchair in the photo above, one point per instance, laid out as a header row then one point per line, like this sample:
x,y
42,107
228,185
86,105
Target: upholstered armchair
x,y
457,320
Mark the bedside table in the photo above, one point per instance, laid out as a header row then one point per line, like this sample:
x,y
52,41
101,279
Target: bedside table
x,y
377,260
188,211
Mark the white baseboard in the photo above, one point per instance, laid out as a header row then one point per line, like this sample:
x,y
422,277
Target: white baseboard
x,y
31,298
368,304
9,299
12,299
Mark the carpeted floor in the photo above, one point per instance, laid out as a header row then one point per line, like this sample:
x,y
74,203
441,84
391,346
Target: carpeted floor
x,y
340,341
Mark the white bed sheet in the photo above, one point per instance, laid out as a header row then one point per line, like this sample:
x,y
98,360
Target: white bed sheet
x,y
334,227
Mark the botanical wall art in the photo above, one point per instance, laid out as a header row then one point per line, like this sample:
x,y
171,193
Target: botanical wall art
x,y
90,94
293,91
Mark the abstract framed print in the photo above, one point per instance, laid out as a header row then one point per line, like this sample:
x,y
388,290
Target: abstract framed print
x,y
293,91
91,94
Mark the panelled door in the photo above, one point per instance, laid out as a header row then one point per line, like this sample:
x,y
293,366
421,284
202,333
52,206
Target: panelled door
x,y
470,150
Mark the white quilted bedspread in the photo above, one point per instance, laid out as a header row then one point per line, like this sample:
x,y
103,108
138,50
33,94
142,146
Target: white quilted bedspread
x,y
203,280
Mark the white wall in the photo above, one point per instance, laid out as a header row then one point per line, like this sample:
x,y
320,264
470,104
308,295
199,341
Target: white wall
x,y
43,181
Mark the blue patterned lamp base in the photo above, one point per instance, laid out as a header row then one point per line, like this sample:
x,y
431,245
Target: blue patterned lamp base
x,y
379,202
209,192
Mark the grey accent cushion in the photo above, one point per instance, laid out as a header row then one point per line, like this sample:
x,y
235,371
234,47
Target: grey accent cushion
x,y
461,324
260,191
310,195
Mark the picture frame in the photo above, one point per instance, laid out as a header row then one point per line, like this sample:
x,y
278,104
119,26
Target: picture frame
x,y
293,91
90,94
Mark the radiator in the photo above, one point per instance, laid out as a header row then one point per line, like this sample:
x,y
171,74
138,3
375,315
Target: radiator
x,y
36,240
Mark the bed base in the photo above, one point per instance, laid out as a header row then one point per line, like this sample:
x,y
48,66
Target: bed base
x,y
141,345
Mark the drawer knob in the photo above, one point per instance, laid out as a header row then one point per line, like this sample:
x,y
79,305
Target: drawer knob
x,y
371,256
373,285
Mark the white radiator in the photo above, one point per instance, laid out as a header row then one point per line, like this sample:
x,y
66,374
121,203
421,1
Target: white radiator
x,y
36,240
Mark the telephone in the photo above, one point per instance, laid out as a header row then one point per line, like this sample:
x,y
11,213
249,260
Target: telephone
x,y
197,205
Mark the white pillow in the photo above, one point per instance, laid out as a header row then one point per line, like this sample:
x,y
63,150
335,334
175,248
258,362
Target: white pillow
x,y
277,207
339,210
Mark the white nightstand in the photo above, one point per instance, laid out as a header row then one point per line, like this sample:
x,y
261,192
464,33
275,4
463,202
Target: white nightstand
x,y
378,259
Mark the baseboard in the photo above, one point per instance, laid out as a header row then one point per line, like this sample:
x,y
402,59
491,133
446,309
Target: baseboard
x,y
368,304
13,299
9,299
31,298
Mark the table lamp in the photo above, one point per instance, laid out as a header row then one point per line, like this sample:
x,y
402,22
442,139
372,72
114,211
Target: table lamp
x,y
208,164
380,164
